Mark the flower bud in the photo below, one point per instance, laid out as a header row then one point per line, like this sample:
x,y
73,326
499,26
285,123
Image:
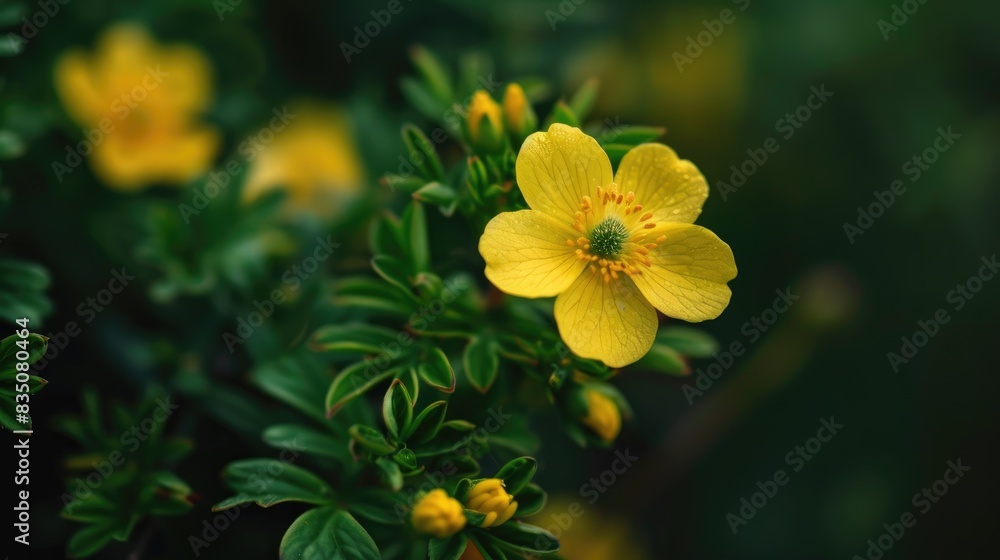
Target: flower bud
x,y
603,416
484,122
517,112
438,514
491,499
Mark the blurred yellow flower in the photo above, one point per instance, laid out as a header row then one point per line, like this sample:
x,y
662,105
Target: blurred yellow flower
x,y
613,249
490,498
585,533
603,416
313,157
438,514
484,121
140,103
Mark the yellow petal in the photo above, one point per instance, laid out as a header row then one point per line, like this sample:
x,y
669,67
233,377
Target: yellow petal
x,y
610,322
128,165
78,89
690,268
671,188
555,169
527,255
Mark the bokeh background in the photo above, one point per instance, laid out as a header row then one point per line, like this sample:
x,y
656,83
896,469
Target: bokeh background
x,y
892,90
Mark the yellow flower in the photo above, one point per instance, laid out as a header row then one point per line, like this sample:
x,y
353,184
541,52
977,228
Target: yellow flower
x,y
518,114
603,416
614,249
438,514
139,102
491,499
484,121
312,156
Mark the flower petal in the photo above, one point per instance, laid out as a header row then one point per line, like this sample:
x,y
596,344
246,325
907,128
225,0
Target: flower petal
x,y
689,272
526,254
671,188
611,322
555,169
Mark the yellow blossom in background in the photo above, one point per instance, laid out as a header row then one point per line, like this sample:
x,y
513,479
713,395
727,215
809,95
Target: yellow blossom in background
x,y
603,416
484,121
614,249
491,499
140,104
438,514
589,534
313,157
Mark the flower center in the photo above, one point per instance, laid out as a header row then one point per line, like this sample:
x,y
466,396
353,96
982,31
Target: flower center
x,y
608,238
615,234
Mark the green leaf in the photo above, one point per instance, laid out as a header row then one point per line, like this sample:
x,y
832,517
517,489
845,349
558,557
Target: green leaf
x,y
90,539
352,381
406,459
371,439
269,481
393,271
562,113
379,505
481,363
525,537
517,473
616,152
415,224
436,193
631,135
664,359
421,149
530,500
34,344
437,372
427,423
390,472
435,74
296,380
583,100
688,341
396,409
353,337
327,533
421,98
450,548
297,437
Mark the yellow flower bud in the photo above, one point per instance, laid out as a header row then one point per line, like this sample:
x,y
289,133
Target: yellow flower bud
x,y
491,499
483,110
438,514
518,114
603,416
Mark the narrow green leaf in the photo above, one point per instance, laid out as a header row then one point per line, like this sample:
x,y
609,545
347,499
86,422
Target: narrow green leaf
x,y
269,481
352,381
664,359
371,439
427,423
450,548
396,409
390,473
583,100
393,271
525,537
530,500
688,341
415,221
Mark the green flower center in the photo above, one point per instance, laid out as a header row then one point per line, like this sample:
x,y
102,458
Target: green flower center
x,y
608,238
